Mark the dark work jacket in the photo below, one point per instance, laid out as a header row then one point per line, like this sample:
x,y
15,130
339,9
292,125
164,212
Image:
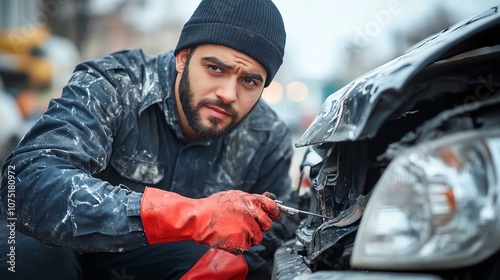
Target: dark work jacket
x,y
81,170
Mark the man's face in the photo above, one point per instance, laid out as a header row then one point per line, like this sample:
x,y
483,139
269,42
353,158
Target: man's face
x,y
217,90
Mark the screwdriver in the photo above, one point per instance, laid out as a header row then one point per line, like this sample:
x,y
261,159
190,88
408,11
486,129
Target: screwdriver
x,y
292,211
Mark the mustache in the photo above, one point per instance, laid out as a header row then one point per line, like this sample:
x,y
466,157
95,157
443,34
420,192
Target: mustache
x,y
219,103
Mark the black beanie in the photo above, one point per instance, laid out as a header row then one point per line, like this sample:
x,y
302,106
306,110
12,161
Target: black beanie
x,y
253,27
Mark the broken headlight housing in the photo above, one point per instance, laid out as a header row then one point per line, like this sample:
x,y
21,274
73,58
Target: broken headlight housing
x,y
436,206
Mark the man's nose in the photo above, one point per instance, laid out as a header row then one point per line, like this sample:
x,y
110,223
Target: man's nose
x,y
227,92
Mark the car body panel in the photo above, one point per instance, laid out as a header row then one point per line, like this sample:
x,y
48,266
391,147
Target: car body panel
x,y
357,110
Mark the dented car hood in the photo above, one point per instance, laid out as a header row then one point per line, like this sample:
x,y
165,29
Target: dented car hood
x,y
358,110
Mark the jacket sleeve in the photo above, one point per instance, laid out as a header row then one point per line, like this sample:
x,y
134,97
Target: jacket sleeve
x,y
58,200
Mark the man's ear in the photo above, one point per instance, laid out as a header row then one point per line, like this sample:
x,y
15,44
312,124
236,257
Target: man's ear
x,y
181,60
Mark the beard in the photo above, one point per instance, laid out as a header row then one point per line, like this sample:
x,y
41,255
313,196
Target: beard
x,y
191,111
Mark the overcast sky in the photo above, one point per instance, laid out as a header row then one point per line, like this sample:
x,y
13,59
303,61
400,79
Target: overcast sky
x,y
317,29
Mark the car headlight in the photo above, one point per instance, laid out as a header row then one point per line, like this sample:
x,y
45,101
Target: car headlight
x,y
435,207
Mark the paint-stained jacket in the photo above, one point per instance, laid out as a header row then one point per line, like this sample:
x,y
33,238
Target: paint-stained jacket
x,y
81,170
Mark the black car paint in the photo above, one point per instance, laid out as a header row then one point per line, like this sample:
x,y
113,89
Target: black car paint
x,y
428,92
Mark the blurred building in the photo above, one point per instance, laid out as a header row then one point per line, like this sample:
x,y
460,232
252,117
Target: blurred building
x,y
34,65
153,26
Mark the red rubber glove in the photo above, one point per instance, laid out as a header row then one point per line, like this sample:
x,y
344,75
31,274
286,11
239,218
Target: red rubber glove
x,y
218,264
230,220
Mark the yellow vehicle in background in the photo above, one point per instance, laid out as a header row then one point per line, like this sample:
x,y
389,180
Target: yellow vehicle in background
x,y
25,70
25,74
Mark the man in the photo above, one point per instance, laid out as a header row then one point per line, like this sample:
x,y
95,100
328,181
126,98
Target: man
x,y
145,163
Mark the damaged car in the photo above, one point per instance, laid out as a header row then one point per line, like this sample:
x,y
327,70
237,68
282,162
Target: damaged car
x,y
405,167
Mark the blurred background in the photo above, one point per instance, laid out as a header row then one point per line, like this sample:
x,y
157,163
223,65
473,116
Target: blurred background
x,y
329,43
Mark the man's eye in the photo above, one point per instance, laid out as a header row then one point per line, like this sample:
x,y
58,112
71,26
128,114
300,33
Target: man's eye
x,y
249,82
214,68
